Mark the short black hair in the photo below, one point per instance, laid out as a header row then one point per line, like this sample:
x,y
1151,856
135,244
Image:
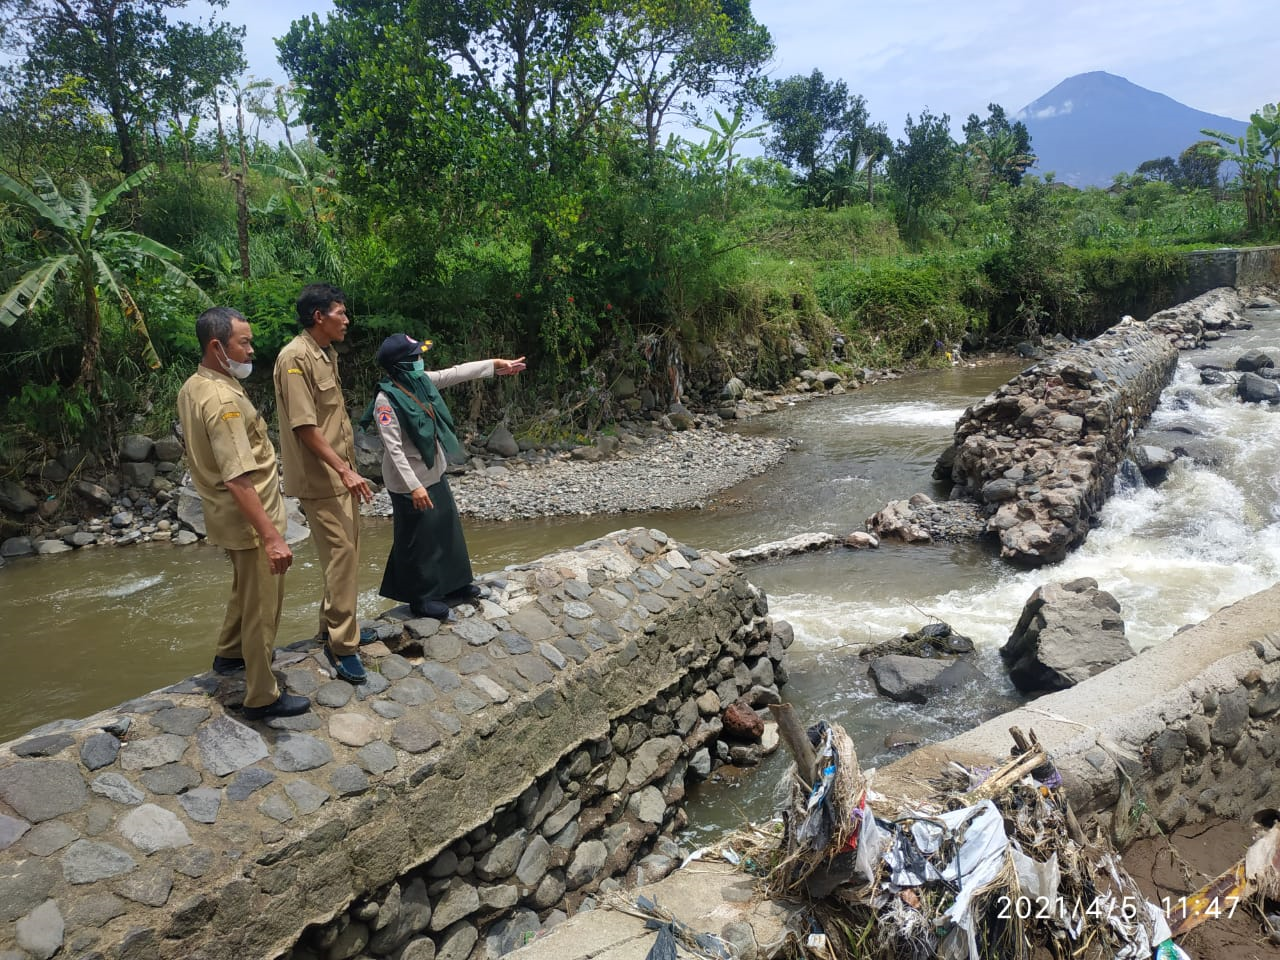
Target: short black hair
x,y
215,324
317,296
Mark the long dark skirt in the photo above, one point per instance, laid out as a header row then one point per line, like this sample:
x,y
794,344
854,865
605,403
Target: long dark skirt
x,y
428,557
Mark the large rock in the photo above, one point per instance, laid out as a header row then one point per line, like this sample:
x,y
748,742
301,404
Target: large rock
x,y
501,442
136,448
1255,389
369,454
1253,361
916,679
1067,633
15,498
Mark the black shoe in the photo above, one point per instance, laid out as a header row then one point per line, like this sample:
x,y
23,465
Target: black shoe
x,y
472,591
228,665
434,609
348,667
285,705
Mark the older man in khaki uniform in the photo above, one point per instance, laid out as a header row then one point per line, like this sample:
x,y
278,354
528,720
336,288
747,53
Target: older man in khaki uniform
x,y
318,449
233,467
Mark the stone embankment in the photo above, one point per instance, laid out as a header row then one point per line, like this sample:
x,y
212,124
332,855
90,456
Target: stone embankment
x,y
1038,457
495,774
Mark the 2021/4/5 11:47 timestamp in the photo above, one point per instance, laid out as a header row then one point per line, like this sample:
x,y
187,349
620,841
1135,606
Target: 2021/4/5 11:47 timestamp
x,y
1104,907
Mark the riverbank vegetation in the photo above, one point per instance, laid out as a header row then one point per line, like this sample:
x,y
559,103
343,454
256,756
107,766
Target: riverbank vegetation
x,y
516,184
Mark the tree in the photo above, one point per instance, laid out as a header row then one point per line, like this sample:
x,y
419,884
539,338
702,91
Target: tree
x,y
1001,150
1163,169
86,257
920,169
812,119
136,64
1258,154
669,53
1198,167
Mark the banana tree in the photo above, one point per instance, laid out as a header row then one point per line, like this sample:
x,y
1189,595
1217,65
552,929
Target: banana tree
x,y
1257,151
87,259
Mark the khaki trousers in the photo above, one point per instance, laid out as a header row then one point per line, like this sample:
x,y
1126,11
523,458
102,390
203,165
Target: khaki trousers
x,y
335,530
252,619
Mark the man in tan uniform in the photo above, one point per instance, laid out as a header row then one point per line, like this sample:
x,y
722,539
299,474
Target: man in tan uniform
x,y
317,446
233,467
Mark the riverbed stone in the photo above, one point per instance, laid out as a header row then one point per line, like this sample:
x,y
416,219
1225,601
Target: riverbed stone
x,y
916,679
1067,632
226,745
117,787
40,790
1252,388
49,837
11,830
150,887
534,862
500,861
588,860
458,901
414,736
99,750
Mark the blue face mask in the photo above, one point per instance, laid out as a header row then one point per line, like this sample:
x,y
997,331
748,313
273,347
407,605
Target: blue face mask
x,y
418,366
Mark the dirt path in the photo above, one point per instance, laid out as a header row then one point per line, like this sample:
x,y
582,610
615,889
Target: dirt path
x,y
1184,861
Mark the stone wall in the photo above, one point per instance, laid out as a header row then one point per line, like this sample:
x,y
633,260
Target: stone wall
x,y
1041,452
1208,269
1190,723
493,773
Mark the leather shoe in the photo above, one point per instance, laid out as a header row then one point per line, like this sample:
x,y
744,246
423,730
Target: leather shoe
x,y
434,609
368,635
348,667
227,665
285,705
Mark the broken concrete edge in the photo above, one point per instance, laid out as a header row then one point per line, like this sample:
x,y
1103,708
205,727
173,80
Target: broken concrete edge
x,y
1188,721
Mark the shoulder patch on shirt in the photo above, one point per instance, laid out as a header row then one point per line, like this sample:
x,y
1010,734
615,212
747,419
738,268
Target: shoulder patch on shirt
x,y
385,415
294,370
231,415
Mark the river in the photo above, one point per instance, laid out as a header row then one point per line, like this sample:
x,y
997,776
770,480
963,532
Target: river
x,y
84,631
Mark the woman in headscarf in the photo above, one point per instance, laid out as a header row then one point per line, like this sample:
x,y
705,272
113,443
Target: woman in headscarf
x,y
428,567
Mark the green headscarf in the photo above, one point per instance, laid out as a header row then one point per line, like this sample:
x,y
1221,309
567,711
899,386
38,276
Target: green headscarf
x,y
422,412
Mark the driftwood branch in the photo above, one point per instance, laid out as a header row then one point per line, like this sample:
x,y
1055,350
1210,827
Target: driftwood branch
x,y
791,732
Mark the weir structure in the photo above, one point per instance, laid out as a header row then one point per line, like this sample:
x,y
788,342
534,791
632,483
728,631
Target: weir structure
x,y
493,773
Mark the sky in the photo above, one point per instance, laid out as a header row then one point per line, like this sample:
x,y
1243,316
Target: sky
x,y
956,56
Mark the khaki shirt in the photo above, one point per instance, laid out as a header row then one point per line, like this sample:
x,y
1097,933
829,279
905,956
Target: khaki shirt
x,y
226,438
309,393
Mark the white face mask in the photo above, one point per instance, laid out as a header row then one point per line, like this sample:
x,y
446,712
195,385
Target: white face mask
x,y
418,366
236,368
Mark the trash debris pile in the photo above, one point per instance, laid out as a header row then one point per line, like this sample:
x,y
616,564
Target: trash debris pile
x,y
993,865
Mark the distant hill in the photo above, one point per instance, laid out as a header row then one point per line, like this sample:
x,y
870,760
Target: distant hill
x,y
1094,125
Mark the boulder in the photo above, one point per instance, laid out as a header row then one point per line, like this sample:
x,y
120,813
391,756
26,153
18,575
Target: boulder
x,y
92,492
15,498
916,679
742,723
168,449
17,547
1153,461
136,448
1068,632
1253,361
734,389
1255,389
138,475
501,442
368,454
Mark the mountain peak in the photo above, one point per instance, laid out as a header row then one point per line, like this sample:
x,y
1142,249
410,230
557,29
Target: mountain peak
x,y
1095,125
